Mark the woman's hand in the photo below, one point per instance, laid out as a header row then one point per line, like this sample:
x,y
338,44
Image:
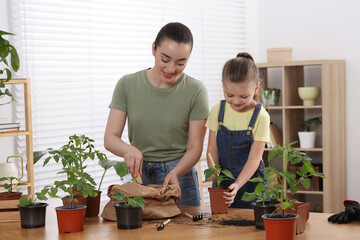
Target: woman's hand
x,y
172,178
134,161
230,196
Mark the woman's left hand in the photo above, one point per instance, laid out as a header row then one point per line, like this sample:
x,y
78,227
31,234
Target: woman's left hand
x,y
230,196
172,178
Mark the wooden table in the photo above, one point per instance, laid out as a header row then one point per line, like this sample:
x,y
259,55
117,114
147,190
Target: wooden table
x,y
181,227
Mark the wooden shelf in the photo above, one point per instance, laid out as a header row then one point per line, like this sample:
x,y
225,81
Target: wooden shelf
x,y
330,150
7,214
14,133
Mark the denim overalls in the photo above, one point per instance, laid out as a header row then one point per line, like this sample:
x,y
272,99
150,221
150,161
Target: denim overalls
x,y
234,148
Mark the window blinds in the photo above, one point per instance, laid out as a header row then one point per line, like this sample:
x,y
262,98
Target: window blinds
x,y
74,52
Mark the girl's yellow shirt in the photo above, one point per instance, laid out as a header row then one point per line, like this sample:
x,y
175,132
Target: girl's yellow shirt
x,y
240,120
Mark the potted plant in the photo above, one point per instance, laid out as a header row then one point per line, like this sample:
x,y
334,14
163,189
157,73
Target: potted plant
x,y
72,157
307,137
32,213
10,184
288,184
128,211
7,49
93,203
216,194
263,198
270,96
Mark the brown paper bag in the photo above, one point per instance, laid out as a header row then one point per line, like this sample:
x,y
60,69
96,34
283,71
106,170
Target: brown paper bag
x,y
159,201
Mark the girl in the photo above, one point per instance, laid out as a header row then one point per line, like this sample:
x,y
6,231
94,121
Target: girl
x,y
166,111
239,128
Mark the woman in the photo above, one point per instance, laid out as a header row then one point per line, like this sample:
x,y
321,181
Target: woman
x,y
166,111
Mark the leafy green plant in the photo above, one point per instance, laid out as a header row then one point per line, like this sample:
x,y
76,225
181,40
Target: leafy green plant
x,y
134,202
72,156
38,196
307,124
262,192
7,49
221,175
120,168
270,96
288,183
10,186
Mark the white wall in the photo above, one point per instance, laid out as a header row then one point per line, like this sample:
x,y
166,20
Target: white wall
x,y
322,29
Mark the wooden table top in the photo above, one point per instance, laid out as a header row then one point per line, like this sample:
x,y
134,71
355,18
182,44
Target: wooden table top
x,y
220,226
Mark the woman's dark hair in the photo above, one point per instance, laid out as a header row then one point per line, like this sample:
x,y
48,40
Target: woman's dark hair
x,y
241,69
174,31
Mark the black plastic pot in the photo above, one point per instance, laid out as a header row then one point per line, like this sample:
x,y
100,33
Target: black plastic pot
x,y
33,216
128,217
260,209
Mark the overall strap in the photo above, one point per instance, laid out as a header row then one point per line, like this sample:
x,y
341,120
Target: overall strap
x,y
254,116
221,111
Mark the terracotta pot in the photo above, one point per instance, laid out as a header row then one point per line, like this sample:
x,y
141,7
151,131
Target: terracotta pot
x,y
12,196
128,217
217,201
33,216
303,210
80,200
278,228
259,210
70,219
93,205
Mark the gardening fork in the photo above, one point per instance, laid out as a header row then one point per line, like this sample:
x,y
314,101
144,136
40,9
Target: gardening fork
x,y
194,217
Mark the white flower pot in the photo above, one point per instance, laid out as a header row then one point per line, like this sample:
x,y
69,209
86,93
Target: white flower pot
x,y
307,139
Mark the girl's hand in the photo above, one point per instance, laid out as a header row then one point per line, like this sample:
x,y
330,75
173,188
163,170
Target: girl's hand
x,y
230,196
134,161
214,175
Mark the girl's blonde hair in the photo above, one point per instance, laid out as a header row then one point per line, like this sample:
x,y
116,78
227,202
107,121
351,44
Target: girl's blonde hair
x,y
241,69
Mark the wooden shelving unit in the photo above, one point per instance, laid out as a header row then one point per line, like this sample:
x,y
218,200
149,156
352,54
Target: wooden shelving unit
x,y
6,207
330,143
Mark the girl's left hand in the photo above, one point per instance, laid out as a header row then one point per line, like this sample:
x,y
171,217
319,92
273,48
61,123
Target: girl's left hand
x,y
230,196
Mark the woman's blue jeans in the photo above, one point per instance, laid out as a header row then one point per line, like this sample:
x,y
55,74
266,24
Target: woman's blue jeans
x,y
155,173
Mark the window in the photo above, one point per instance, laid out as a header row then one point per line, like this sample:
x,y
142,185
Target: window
x,y
74,52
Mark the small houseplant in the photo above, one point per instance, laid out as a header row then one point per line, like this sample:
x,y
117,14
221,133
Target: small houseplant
x,y
72,157
288,184
306,136
128,211
10,184
33,213
6,50
216,194
263,198
270,96
93,203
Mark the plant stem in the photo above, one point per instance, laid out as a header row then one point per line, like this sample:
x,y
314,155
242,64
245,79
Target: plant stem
x,y
102,177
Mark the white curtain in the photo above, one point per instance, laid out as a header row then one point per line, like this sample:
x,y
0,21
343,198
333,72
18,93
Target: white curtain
x,y
74,52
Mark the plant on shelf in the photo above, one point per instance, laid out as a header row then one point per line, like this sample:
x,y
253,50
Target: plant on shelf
x,y
10,184
217,201
270,96
306,136
6,49
128,211
306,125
288,183
32,213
